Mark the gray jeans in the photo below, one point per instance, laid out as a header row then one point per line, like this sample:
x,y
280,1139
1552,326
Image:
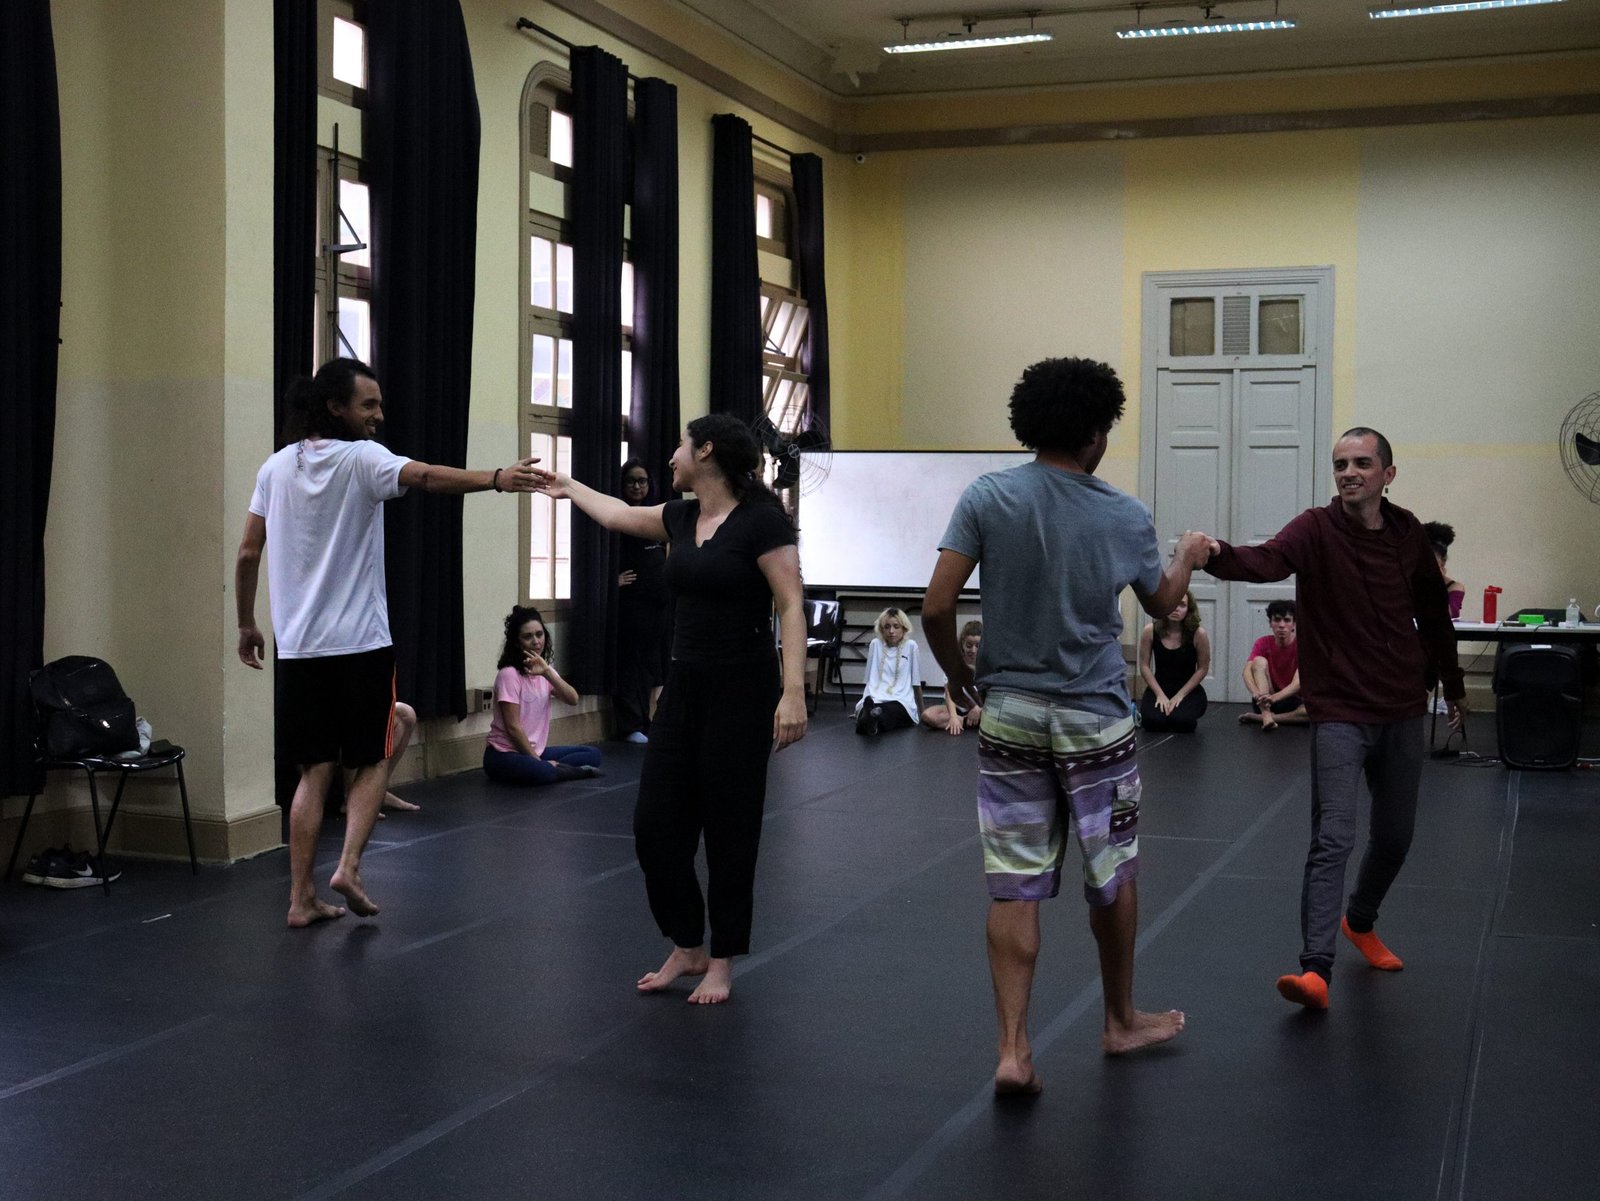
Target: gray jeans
x,y
1389,757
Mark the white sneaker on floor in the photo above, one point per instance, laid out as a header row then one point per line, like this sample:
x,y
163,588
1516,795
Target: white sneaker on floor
x,y
638,738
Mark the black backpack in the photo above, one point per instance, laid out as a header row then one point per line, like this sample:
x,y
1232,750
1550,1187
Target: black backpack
x,y
83,708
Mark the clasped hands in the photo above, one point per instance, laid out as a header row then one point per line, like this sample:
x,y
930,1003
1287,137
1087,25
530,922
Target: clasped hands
x,y
1195,548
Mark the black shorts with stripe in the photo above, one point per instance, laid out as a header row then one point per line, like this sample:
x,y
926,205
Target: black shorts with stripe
x,y
337,709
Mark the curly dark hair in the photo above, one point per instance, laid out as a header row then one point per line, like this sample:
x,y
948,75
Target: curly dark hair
x,y
1280,608
511,650
1440,536
1062,404
305,405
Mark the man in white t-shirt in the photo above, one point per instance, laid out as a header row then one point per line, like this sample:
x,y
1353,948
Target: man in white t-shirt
x,y
319,499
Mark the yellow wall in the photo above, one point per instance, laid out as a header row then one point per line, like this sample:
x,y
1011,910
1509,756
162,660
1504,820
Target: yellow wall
x,y
164,371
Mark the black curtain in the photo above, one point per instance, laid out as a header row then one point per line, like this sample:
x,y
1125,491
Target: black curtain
x,y
294,196
655,419
420,145
806,171
599,192
294,231
30,329
735,275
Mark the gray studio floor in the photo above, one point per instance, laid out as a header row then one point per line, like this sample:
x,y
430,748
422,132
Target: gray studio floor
x,y
482,1037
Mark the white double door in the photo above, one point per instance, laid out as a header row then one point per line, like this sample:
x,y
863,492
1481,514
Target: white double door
x,y
1235,458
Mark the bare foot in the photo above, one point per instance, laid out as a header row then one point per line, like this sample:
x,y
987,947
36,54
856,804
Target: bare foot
x,y
348,885
301,916
1016,1078
391,801
717,986
692,961
1147,1030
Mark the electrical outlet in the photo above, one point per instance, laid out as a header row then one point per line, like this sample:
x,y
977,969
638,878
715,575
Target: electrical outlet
x,y
480,700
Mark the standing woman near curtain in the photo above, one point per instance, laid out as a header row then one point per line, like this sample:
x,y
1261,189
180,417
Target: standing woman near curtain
x,y
641,616
724,708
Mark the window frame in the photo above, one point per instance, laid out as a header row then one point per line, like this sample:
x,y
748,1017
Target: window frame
x,y
353,11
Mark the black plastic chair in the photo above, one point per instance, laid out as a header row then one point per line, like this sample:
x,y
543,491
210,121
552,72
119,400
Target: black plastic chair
x,y
92,765
824,632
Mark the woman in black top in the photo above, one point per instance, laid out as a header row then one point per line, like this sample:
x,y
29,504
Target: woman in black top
x,y
641,616
1174,659
723,710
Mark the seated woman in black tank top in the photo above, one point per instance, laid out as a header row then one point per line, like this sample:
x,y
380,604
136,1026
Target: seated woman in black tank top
x,y
724,707
1174,659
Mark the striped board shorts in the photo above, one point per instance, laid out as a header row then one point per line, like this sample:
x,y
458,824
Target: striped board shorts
x,y
1040,764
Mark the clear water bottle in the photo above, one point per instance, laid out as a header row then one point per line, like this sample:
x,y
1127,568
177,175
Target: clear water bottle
x,y
1574,614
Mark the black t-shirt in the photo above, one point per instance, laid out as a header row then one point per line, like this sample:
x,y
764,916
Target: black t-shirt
x,y
647,558
724,607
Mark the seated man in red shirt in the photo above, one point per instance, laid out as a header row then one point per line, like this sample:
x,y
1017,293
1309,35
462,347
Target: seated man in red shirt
x,y
1272,673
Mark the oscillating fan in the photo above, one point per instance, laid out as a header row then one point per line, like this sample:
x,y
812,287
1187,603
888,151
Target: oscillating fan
x,y
1580,446
795,470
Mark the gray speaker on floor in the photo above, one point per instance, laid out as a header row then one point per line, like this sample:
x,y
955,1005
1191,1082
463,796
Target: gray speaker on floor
x,y
1538,705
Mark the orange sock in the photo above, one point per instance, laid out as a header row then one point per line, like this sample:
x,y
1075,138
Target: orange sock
x,y
1308,989
1370,945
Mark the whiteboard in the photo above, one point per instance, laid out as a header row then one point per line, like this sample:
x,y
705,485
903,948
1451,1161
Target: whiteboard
x,y
876,521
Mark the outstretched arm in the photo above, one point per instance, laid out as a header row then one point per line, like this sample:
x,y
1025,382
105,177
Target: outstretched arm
x,y
1192,551
431,477
641,521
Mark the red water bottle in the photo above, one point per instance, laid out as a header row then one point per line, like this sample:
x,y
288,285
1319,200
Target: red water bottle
x,y
1491,604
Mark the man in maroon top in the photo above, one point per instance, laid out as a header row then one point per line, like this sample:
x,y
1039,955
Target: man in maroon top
x,y
1377,633
1272,673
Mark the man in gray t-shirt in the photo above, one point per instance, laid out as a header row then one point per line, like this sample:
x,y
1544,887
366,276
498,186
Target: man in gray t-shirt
x,y
1056,743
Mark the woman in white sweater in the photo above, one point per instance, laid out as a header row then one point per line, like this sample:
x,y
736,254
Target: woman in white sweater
x,y
892,697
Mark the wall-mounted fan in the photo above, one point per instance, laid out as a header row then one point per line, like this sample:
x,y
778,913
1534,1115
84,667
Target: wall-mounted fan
x,y
792,469
1580,446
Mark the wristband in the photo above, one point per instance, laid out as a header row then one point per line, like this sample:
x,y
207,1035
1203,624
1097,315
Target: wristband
x,y
494,481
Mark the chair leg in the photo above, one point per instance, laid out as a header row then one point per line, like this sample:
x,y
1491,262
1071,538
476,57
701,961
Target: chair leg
x,y
99,833
116,803
21,830
188,830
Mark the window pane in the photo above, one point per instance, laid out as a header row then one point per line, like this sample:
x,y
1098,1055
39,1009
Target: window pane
x,y
797,407
541,528
563,277
627,452
778,401
765,301
560,138
355,221
541,253
543,391
783,311
796,332
355,328
564,374
1194,324
1280,329
627,385
763,216
349,52
627,295
563,580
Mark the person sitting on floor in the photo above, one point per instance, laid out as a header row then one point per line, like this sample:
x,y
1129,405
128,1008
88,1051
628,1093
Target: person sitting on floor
x,y
1272,673
951,716
520,728
1174,659
891,697
1440,536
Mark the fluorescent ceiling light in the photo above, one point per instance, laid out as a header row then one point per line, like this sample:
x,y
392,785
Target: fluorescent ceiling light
x,y
1465,6
968,41
1173,31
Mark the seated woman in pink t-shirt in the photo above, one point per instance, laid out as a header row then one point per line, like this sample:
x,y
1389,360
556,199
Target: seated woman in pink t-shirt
x,y
517,751
1272,673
